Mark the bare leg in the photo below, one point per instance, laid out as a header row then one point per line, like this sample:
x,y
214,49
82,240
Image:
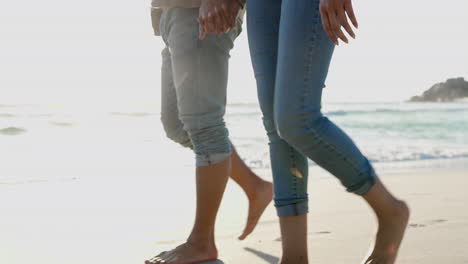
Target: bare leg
x,y
392,216
211,182
294,239
200,246
258,191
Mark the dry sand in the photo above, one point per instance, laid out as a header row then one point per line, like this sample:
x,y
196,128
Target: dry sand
x,y
341,226
83,223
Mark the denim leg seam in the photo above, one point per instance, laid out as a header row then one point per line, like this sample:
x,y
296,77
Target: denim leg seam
x,y
197,77
313,38
312,41
291,151
310,49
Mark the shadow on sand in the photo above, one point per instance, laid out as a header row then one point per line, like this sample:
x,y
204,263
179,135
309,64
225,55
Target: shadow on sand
x,y
213,262
267,257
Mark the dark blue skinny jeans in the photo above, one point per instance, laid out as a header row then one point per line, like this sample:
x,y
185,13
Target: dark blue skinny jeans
x,y
291,55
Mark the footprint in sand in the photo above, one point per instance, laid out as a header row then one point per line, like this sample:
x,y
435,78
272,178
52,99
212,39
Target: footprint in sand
x,y
323,232
430,222
417,225
438,221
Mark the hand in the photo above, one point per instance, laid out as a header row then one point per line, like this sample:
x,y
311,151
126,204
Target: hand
x,y
217,16
334,16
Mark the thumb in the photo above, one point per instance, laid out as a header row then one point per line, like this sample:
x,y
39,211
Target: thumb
x,y
201,30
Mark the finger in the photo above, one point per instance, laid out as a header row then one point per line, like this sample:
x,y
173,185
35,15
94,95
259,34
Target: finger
x,y
202,33
228,23
350,12
201,29
210,25
217,21
336,26
327,27
223,19
344,22
233,14
229,18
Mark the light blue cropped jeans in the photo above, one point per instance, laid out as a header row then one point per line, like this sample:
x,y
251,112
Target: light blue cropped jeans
x,y
194,82
291,54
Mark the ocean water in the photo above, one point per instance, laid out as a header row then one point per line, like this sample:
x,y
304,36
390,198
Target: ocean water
x,y
387,133
56,142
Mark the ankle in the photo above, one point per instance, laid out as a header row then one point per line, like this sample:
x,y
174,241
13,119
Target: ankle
x,y
202,241
399,208
260,186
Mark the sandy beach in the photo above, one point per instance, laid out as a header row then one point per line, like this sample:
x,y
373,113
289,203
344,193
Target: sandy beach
x,y
84,221
341,227
109,187
88,174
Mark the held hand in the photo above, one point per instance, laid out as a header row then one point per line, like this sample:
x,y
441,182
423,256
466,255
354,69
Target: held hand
x,y
217,16
335,15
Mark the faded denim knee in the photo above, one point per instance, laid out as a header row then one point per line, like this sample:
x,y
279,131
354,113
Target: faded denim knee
x,y
209,138
175,131
200,74
328,146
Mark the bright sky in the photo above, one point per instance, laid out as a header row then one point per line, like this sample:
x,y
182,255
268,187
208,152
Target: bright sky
x,y
103,52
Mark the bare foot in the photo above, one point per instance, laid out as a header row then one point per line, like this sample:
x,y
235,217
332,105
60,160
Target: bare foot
x,y
389,235
257,206
185,254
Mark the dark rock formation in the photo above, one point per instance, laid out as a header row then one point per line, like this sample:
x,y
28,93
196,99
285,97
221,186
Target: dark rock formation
x,y
448,91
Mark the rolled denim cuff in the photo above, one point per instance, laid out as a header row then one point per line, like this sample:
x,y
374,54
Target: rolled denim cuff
x,y
210,159
211,145
365,185
293,209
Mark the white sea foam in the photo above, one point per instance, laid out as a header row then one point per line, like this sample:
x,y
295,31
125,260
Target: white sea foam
x,y
132,140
